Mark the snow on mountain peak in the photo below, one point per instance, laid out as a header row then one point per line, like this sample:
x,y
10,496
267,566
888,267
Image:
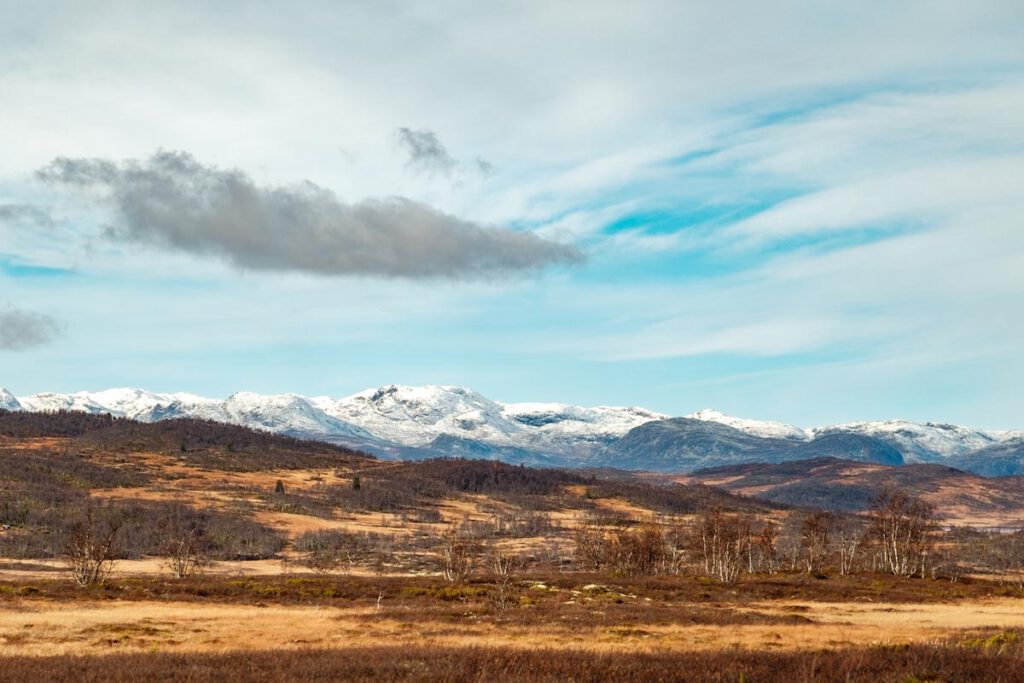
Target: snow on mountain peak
x,y
8,401
392,418
776,430
139,404
49,402
603,421
414,416
920,441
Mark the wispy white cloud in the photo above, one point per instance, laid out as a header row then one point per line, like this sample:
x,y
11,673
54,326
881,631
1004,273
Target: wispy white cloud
x,y
758,181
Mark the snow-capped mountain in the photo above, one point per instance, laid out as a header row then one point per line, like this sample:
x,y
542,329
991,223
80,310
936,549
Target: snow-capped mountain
x,y
287,414
414,416
574,430
772,430
146,405
418,416
8,402
387,420
427,421
918,442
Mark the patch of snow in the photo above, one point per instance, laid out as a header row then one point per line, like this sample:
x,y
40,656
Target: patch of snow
x,y
8,401
773,430
920,442
50,403
415,416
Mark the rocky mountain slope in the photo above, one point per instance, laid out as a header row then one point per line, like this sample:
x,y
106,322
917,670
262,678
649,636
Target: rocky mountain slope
x,y
998,460
686,444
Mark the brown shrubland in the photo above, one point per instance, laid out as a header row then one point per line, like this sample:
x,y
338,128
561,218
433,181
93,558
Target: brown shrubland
x,y
462,570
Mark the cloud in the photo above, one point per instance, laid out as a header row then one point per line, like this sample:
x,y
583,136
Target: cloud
x,y
25,213
23,330
172,201
427,155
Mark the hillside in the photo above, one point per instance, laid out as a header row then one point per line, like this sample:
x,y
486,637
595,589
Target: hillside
x,y
53,465
685,444
844,485
998,460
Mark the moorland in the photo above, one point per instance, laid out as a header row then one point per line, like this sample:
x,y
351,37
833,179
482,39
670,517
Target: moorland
x,y
192,550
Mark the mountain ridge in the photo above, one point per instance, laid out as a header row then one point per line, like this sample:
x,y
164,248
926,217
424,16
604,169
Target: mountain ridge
x,y
410,422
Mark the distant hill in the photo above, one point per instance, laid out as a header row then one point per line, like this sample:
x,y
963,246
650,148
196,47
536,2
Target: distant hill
x,y
687,444
203,442
850,486
998,460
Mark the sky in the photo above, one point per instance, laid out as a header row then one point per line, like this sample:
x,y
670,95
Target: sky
x,y
802,211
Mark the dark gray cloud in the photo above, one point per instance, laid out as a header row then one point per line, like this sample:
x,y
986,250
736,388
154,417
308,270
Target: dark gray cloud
x,y
27,214
172,200
426,154
483,166
22,330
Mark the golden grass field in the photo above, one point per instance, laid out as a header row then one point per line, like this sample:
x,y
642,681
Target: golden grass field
x,y
50,628
42,623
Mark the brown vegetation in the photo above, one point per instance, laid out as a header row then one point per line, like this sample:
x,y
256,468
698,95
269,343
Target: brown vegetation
x,y
466,570
429,663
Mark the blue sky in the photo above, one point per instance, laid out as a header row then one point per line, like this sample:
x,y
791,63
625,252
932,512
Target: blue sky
x,y
808,212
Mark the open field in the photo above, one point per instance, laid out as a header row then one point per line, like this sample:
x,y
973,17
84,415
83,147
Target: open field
x,y
420,628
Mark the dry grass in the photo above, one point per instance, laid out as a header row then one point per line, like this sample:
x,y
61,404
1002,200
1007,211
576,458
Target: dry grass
x,y
47,629
570,614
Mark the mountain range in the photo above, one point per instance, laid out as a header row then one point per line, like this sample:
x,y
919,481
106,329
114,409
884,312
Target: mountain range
x,y
405,422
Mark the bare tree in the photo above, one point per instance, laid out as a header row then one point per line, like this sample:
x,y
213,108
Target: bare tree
x,y
327,551
766,550
590,550
723,541
1002,553
182,547
627,552
815,532
902,526
460,553
849,541
92,545
503,565
382,554
637,552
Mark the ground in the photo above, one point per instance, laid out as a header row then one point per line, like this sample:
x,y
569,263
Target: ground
x,y
274,619
563,615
